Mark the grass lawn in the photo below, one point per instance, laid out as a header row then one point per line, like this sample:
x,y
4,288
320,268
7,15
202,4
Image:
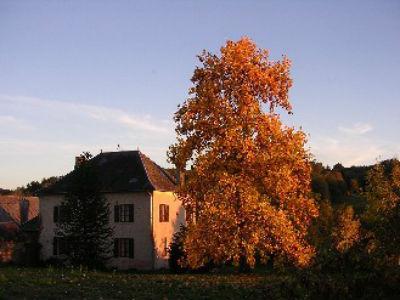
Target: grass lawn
x,y
51,283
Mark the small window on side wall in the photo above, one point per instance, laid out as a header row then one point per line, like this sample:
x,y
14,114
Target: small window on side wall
x,y
58,214
165,247
164,213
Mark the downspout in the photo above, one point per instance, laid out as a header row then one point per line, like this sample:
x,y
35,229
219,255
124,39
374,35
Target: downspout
x,y
152,231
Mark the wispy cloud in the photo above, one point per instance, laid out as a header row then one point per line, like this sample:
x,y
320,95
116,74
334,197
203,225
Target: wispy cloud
x,y
348,153
7,121
95,112
351,146
41,137
357,129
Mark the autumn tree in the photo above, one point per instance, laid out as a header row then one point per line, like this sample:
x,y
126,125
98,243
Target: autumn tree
x,y
320,231
248,190
347,231
383,212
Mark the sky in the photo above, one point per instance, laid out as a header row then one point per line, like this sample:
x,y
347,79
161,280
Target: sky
x,y
89,75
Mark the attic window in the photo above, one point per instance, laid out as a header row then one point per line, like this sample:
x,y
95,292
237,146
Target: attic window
x,y
133,180
102,161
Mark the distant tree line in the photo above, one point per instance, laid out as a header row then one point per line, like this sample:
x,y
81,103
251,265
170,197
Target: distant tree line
x,y
32,188
338,184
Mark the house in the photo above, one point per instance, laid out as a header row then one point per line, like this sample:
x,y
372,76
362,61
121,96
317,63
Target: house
x,y
145,212
15,212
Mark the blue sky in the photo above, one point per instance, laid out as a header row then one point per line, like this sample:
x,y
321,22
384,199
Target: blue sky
x,y
88,75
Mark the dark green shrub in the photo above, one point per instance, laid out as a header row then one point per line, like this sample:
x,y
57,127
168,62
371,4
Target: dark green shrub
x,y
177,256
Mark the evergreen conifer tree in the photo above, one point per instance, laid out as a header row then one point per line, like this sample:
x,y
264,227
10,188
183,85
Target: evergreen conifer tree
x,y
84,222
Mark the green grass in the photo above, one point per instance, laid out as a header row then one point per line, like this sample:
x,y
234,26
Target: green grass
x,y
51,283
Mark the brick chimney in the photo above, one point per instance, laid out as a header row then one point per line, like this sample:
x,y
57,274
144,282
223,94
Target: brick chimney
x,y
78,161
24,210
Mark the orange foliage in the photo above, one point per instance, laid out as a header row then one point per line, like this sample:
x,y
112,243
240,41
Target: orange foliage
x,y
249,187
347,231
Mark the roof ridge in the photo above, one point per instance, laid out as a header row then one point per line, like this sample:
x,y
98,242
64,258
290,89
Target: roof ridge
x,y
118,151
169,176
159,168
145,169
9,215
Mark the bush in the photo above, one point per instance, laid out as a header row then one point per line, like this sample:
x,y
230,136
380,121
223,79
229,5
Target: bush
x,y
177,256
313,284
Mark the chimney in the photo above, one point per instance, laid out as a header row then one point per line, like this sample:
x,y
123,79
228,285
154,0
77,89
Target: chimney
x,y
24,210
79,160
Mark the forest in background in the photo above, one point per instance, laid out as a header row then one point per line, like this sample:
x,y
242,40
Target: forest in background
x,y
340,185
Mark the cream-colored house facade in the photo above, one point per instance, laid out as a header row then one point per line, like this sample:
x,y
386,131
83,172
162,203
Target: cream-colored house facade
x,y
145,212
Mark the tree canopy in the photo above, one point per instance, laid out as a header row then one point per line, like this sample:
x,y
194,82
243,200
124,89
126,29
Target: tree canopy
x,y
249,188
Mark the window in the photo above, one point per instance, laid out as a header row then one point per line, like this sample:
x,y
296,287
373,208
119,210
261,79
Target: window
x,y
58,214
123,247
165,246
123,213
164,213
60,246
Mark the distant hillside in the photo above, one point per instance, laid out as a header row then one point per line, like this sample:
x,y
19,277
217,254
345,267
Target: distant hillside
x,y
342,185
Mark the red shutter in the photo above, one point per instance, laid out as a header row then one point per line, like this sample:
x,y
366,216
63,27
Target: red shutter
x,y
166,219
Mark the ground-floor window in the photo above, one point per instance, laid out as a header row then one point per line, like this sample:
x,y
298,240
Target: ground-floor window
x,y
165,247
60,246
123,247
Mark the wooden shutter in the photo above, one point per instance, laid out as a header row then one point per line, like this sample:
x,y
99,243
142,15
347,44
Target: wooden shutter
x,y
131,248
166,218
131,210
61,214
160,213
116,248
116,213
55,214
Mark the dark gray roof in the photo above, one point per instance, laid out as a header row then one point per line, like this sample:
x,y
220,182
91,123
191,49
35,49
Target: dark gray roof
x,y
123,171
